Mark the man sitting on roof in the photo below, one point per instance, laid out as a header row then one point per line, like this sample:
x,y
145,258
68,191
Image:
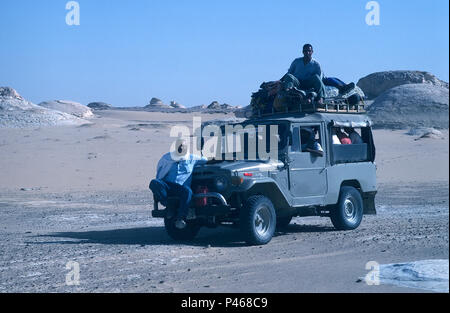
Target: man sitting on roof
x,y
309,73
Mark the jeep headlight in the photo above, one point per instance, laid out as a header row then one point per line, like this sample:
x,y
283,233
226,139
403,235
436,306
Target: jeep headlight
x,y
220,183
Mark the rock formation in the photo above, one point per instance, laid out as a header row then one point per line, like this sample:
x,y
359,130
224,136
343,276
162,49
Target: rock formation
x,y
176,105
375,84
411,105
217,106
99,106
70,107
16,112
156,103
10,100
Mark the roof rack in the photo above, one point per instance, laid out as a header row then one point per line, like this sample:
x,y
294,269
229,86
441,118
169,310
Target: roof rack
x,y
343,107
340,105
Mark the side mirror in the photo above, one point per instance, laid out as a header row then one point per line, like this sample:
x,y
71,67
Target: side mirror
x,y
287,160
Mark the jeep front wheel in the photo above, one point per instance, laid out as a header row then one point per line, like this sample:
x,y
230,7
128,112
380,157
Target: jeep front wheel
x,y
257,220
348,212
187,233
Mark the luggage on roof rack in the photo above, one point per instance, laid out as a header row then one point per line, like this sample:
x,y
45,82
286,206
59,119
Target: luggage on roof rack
x,y
282,97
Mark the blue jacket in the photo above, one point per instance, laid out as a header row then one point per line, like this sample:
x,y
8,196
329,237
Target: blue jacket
x,y
179,172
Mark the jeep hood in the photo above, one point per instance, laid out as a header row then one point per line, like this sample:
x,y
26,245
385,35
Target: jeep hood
x,y
242,166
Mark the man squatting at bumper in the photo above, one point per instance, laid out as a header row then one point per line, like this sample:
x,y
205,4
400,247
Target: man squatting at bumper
x,y
173,179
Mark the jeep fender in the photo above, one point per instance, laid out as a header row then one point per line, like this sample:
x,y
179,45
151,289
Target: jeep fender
x,y
361,176
367,196
268,188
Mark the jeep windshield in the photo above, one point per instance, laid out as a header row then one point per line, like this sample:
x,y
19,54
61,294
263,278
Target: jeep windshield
x,y
251,142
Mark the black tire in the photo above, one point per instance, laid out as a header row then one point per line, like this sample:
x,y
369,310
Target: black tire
x,y
283,222
187,233
348,212
257,220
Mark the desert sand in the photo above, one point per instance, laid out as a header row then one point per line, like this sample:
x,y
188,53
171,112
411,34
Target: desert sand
x,y
80,193
119,150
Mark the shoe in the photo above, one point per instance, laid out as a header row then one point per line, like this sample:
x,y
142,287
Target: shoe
x,y
347,88
180,224
301,92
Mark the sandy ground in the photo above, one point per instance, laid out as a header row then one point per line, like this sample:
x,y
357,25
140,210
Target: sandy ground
x,y
80,194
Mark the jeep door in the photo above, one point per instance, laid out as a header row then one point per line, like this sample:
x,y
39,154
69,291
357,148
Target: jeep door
x,y
307,170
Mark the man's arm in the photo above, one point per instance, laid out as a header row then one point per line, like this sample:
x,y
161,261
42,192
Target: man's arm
x,y
292,68
163,167
318,70
317,149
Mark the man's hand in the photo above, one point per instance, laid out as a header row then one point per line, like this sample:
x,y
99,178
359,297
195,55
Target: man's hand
x,y
315,152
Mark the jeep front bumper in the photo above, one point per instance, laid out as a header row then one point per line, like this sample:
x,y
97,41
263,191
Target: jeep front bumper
x,y
220,206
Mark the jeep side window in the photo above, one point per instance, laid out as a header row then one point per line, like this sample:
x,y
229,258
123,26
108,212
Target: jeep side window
x,y
348,135
351,145
354,135
310,140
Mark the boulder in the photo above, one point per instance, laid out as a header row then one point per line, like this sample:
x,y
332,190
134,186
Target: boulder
x,y
156,103
375,84
69,107
176,105
411,105
10,100
217,106
99,106
214,105
425,132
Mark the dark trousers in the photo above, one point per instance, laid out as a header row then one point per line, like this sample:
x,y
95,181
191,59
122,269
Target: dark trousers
x,y
162,190
315,82
333,82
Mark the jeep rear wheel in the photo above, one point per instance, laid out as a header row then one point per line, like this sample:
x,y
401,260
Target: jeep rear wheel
x,y
348,212
188,233
258,220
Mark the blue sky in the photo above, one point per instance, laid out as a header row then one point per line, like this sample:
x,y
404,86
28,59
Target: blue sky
x,y
195,52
